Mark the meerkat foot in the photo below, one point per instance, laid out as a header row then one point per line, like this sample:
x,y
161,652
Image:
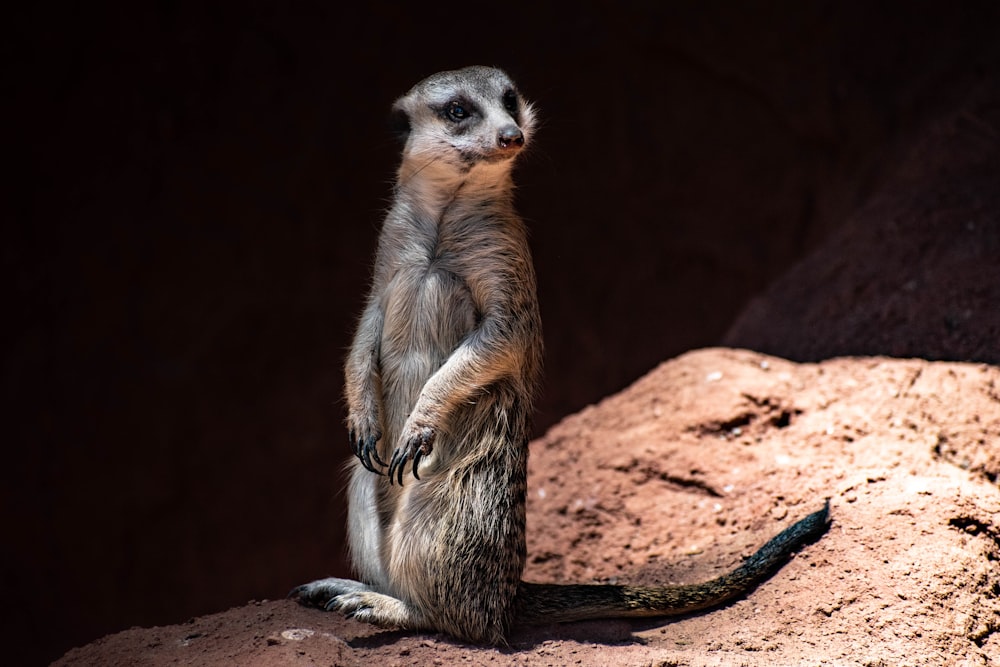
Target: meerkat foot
x,y
376,608
416,446
359,601
319,593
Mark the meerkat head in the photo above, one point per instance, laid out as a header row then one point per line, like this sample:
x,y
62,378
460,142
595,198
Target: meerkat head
x,y
463,118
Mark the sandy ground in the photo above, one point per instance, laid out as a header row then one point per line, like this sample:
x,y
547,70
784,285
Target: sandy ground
x,y
679,477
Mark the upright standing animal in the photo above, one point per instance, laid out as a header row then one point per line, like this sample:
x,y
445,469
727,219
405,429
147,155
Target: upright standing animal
x,y
440,383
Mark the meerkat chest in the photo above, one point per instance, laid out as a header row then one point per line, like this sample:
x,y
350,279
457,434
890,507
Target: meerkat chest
x,y
428,310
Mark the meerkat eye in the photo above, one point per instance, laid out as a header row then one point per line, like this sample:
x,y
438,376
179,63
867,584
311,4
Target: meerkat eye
x,y
510,102
456,111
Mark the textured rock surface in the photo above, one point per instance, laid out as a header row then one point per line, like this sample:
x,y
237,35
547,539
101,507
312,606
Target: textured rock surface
x,y
681,475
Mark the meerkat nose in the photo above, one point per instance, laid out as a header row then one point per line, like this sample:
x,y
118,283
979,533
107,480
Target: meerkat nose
x,y
510,136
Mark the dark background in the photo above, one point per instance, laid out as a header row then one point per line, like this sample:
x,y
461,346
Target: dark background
x,y
195,194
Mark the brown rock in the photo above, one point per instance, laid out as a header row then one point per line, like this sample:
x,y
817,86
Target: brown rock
x,y
680,476
914,272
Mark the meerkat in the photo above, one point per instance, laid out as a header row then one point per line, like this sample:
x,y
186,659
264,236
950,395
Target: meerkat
x,y
439,385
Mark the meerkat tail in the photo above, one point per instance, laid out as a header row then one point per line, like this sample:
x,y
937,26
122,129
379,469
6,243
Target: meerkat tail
x,y
560,603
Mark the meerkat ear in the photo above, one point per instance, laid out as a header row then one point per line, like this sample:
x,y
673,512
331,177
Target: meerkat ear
x,y
399,122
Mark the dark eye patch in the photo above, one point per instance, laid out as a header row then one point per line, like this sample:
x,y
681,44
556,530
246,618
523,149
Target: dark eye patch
x,y
458,110
399,123
510,102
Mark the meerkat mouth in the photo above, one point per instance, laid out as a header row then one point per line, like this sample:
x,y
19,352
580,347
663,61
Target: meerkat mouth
x,y
492,156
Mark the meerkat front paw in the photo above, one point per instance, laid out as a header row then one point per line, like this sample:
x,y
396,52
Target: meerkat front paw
x,y
364,435
417,442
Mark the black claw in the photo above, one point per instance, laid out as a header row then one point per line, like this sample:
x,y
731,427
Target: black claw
x,y
366,459
400,465
416,462
415,449
359,450
357,446
375,454
306,596
392,465
365,449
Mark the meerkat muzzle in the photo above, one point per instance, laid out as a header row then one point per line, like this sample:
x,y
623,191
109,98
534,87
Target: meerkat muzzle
x,y
510,138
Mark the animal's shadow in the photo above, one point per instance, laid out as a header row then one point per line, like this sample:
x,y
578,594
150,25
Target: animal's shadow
x,y
605,632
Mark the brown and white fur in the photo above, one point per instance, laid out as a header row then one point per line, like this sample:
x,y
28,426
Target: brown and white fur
x,y
440,383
